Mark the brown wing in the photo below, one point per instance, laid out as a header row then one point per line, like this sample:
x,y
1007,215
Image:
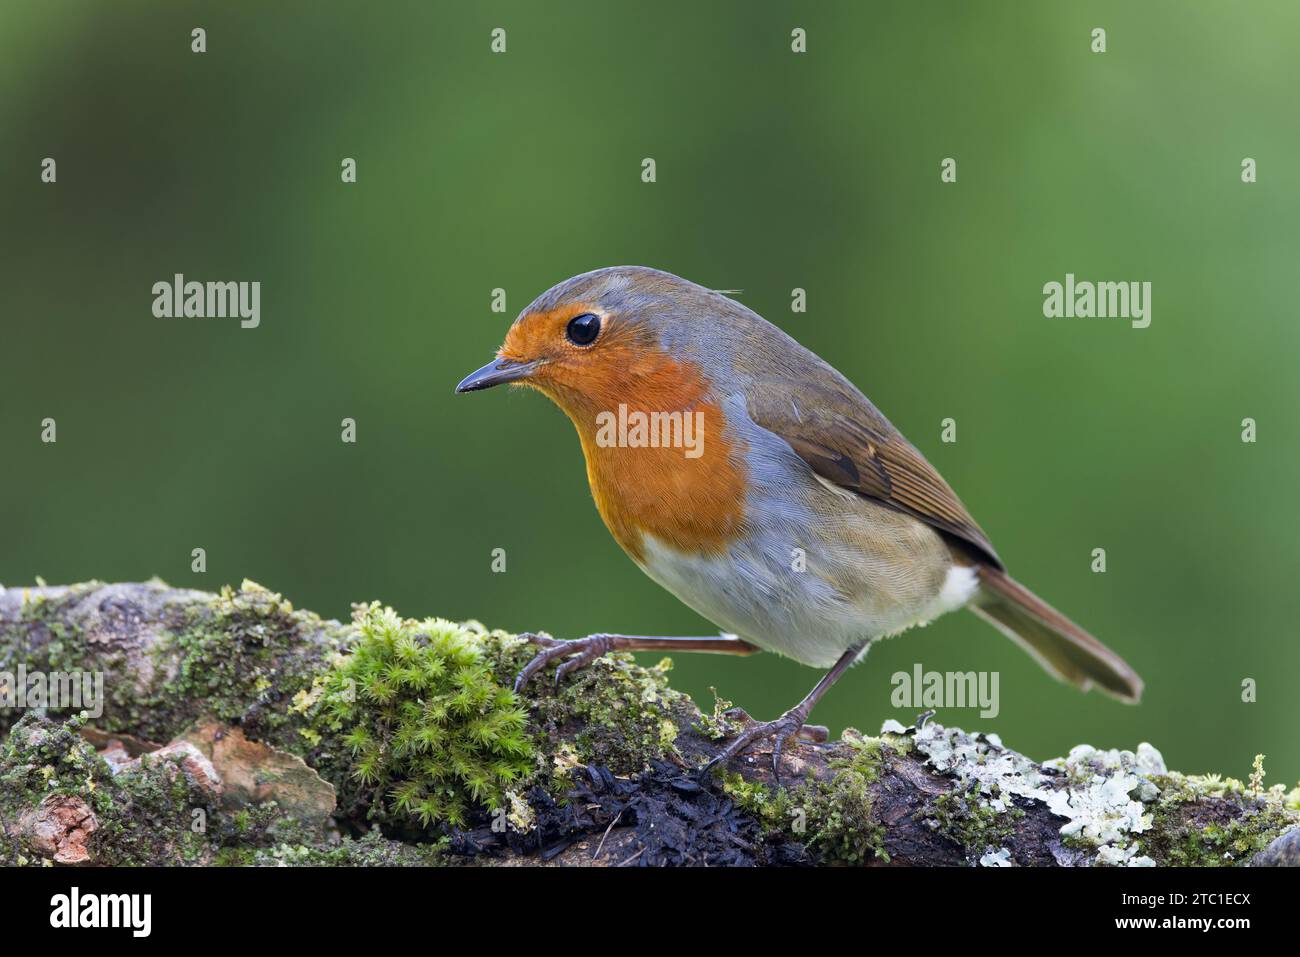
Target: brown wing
x,y
846,440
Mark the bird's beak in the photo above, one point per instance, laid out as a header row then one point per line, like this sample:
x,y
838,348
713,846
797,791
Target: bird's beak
x,y
495,373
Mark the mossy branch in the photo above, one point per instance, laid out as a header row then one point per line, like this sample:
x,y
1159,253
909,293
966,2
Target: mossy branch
x,y
385,740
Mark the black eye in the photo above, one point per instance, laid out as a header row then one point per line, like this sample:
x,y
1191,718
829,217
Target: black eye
x,y
583,330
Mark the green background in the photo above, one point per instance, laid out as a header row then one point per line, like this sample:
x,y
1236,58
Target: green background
x,y
775,171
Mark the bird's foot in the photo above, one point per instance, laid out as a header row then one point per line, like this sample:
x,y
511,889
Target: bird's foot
x,y
580,652
789,725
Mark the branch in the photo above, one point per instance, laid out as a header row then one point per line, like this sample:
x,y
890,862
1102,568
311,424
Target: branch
x,y
290,739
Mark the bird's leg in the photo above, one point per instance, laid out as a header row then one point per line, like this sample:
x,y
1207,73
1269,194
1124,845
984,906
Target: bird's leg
x,y
788,725
583,651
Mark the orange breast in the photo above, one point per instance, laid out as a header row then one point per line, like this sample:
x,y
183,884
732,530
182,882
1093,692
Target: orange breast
x,y
694,505
658,457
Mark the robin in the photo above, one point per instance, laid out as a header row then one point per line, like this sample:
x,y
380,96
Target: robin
x,y
753,481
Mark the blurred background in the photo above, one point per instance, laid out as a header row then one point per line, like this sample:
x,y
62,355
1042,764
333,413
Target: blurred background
x,y
775,171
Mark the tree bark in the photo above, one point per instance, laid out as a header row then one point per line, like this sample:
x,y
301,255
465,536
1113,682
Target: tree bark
x,y
209,709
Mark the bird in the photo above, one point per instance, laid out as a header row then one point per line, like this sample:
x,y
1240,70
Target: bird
x,y
757,484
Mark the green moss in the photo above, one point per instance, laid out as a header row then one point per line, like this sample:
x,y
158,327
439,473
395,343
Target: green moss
x,y
40,758
65,648
832,818
616,713
841,823
1187,831
239,656
774,809
717,726
152,815
49,643
244,658
428,727
154,819
966,818
871,752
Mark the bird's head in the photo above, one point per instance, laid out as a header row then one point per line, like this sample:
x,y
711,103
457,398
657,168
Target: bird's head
x,y
640,361
621,335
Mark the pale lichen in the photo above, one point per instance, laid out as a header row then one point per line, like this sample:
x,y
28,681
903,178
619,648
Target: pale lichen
x,y
1119,808
1098,793
1104,799
1001,857
521,818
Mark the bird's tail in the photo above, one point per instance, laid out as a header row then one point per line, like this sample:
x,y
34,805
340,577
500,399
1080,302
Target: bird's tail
x,y
1059,645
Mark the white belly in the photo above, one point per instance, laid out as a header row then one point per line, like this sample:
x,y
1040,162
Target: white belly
x,y
758,594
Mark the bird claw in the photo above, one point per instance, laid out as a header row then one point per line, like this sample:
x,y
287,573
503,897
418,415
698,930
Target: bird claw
x,y
580,652
780,731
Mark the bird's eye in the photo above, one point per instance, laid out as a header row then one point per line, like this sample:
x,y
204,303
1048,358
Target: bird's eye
x,y
583,330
